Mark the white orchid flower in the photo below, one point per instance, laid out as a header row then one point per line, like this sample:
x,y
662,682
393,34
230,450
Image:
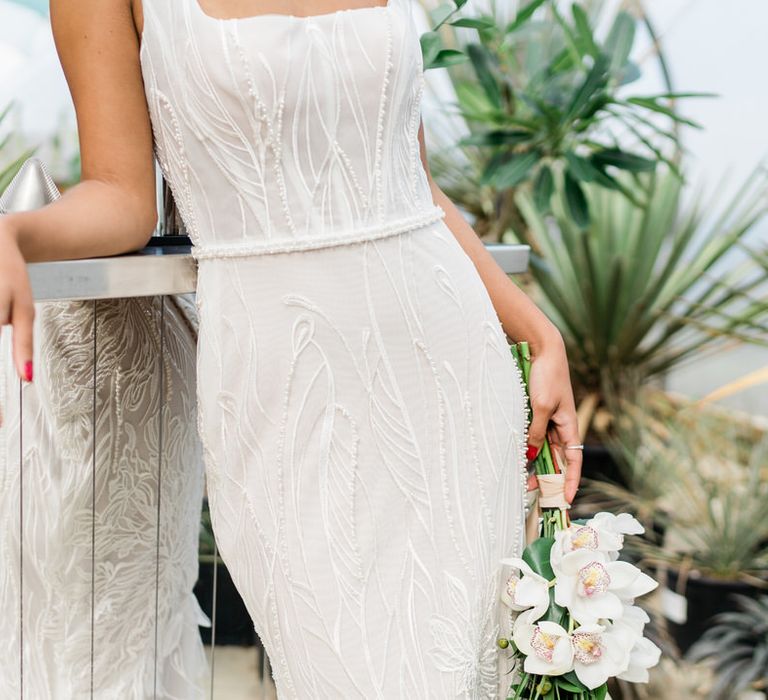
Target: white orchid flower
x,y
644,654
526,589
600,652
602,533
635,618
592,587
612,528
546,645
573,538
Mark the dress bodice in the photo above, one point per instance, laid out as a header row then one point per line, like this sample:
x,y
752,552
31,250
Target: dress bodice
x,y
278,132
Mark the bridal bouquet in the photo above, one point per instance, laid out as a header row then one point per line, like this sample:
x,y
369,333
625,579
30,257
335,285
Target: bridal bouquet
x,y
575,622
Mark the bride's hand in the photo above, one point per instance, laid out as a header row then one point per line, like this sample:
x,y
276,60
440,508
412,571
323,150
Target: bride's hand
x,y
17,306
554,411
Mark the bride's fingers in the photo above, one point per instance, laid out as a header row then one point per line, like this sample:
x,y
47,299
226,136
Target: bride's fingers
x,y
566,433
22,318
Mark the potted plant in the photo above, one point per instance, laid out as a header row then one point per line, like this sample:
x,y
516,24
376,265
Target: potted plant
x,y
540,96
737,648
713,506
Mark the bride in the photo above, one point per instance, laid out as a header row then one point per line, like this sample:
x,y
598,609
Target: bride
x,y
364,429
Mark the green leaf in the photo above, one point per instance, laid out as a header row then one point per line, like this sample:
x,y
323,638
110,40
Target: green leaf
x,y
481,62
618,43
581,168
600,693
650,103
676,95
594,82
446,57
473,101
573,679
594,105
543,186
570,687
576,200
629,73
474,22
497,137
536,555
584,31
430,46
515,170
492,167
587,171
623,159
441,13
524,15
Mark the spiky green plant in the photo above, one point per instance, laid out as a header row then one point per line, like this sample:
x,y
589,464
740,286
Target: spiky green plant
x,y
737,647
643,289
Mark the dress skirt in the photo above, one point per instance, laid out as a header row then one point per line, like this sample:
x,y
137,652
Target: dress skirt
x,y
363,426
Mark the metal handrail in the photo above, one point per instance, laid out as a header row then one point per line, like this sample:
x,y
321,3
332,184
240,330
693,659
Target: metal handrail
x,y
161,270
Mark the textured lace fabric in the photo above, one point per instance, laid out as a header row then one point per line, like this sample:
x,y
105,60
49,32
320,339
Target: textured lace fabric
x,y
362,420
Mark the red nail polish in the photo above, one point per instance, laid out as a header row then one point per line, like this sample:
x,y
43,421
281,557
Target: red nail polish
x,y
531,452
28,370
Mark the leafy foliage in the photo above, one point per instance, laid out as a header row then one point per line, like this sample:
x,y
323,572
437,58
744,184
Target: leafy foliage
x,y
642,289
545,94
737,644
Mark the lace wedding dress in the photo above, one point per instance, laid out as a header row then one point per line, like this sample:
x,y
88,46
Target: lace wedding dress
x,y
362,419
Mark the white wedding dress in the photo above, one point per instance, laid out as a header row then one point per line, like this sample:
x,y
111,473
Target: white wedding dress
x,y
362,419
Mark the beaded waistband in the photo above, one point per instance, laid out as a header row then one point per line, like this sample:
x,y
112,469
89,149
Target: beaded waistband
x,y
358,235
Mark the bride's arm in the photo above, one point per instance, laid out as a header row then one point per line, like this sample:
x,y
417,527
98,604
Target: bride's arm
x,y
113,209
550,387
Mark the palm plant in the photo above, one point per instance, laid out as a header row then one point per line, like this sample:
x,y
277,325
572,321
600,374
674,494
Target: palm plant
x,y
643,289
543,99
737,645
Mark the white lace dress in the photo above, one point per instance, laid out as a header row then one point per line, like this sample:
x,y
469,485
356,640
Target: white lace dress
x,y
362,419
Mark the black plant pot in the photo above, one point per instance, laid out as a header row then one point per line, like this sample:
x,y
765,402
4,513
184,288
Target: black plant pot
x,y
233,623
599,464
705,598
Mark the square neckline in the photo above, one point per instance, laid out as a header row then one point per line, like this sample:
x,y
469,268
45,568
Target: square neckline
x,y
284,15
